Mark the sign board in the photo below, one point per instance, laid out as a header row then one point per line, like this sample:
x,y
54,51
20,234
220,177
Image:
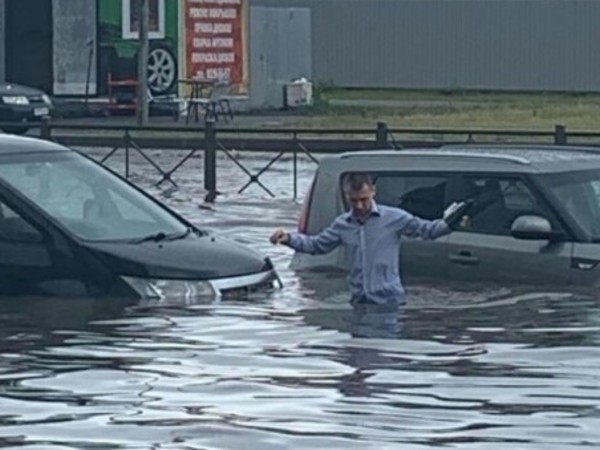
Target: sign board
x,y
215,39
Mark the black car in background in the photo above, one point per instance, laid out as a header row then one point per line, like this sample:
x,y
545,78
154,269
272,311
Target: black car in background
x,y
71,227
21,105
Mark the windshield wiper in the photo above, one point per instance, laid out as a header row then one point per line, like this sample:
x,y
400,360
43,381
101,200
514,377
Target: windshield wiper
x,y
154,237
183,235
162,236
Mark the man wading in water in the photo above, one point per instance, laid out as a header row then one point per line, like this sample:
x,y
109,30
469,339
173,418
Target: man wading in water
x,y
371,234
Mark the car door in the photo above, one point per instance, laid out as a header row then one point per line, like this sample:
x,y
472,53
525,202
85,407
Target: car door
x,y
577,196
423,195
482,249
33,260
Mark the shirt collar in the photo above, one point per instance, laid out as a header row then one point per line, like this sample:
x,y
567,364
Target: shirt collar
x,y
374,212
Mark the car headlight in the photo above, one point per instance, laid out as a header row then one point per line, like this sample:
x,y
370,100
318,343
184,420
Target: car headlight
x,y
151,288
15,100
47,99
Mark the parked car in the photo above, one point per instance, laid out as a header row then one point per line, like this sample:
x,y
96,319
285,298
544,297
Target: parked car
x,y
535,219
71,227
22,105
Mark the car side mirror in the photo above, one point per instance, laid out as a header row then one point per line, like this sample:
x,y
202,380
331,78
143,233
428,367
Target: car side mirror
x,y
534,228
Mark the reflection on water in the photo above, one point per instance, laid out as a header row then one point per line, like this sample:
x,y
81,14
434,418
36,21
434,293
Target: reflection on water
x,y
490,368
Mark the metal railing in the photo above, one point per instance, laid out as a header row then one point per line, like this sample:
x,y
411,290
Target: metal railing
x,y
280,141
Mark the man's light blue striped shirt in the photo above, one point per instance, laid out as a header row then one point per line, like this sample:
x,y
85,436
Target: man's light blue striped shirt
x,y
372,249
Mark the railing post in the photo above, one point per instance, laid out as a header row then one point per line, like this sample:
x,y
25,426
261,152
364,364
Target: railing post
x,y
381,135
560,135
295,170
210,161
127,139
46,130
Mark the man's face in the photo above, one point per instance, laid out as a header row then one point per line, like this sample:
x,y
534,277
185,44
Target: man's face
x,y
361,200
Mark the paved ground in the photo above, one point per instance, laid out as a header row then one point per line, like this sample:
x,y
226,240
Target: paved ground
x,y
76,111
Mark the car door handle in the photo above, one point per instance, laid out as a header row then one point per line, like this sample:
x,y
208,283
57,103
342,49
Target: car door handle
x,y
464,257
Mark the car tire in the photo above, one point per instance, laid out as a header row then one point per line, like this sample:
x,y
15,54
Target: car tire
x,y
162,69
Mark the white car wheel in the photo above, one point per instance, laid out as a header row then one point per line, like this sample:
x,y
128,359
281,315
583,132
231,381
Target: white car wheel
x,y
162,69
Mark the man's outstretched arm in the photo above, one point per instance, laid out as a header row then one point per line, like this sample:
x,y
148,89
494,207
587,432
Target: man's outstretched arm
x,y
414,226
324,242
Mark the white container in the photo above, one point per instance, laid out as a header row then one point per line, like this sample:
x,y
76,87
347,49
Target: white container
x,y
298,93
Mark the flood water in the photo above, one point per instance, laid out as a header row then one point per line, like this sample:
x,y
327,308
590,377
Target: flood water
x,y
491,368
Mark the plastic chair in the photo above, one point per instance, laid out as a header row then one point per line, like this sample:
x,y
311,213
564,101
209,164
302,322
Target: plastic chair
x,y
218,101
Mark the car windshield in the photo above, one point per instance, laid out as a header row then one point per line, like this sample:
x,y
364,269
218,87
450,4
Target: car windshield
x,y
579,194
87,199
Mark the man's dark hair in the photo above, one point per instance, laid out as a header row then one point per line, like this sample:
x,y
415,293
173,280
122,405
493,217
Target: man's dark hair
x,y
355,181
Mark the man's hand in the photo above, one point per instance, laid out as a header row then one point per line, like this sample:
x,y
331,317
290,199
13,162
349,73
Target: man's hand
x,y
455,212
280,237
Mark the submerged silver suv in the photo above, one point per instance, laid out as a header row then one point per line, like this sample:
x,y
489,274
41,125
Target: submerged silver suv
x,y
535,218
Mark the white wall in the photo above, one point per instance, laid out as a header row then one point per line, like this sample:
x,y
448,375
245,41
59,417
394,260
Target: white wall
x,y
74,34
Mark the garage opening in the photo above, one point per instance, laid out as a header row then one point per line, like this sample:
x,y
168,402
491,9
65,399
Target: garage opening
x,y
29,43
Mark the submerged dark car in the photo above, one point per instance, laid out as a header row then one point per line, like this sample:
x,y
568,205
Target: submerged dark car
x,y
21,106
71,227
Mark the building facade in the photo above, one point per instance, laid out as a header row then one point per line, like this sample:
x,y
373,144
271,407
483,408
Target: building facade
x,y
68,47
72,47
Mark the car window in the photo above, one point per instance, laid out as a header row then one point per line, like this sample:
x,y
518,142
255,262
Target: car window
x,y
498,201
53,189
14,228
86,198
422,196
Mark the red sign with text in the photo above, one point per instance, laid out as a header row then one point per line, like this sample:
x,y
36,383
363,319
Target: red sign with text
x,y
215,40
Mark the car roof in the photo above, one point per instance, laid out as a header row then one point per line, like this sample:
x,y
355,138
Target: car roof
x,y
11,144
475,158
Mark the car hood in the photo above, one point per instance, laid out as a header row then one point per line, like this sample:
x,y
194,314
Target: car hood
x,y
18,89
195,257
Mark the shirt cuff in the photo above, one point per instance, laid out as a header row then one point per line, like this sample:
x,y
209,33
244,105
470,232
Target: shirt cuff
x,y
446,227
293,241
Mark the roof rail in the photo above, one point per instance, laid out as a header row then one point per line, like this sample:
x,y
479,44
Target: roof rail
x,y
540,147
474,154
